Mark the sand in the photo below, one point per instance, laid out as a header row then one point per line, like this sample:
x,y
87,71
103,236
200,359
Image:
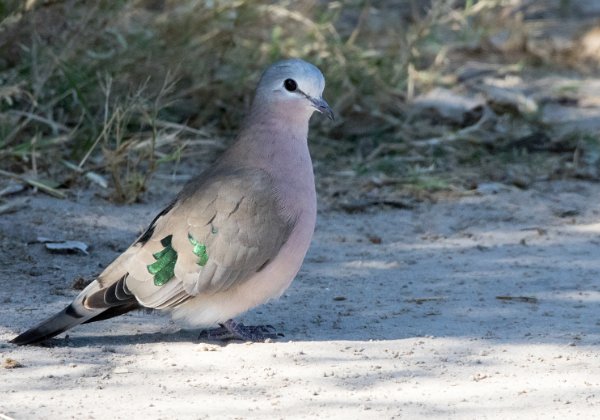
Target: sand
x,y
483,307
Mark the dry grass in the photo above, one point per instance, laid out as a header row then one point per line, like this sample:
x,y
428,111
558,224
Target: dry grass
x,y
95,90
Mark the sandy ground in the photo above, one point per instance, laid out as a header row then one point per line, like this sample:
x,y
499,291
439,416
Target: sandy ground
x,y
484,307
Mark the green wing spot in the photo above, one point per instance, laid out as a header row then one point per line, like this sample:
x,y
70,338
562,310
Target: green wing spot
x,y
199,250
163,269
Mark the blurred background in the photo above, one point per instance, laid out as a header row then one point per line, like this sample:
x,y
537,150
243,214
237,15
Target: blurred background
x,y
433,98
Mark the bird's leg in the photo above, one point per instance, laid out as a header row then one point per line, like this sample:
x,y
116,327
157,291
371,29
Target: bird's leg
x,y
243,332
232,330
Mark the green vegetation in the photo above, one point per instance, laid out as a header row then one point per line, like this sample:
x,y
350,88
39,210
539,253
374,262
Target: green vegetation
x,y
115,88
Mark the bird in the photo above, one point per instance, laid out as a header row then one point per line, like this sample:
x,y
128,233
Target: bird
x,y
234,237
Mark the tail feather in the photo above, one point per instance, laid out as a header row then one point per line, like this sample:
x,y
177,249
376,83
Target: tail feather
x,y
94,303
113,312
62,321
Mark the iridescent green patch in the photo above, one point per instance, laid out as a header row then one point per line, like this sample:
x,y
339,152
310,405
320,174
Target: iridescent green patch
x,y
163,268
199,250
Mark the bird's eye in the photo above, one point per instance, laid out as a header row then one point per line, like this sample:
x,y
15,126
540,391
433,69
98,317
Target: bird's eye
x,y
290,85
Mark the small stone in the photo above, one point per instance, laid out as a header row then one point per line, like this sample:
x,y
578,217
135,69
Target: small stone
x,y
11,364
374,239
449,105
490,188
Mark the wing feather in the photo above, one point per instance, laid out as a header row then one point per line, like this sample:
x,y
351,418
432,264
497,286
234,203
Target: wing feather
x,y
235,215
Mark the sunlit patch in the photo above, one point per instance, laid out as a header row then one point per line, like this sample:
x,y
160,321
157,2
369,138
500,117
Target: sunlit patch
x,y
380,265
590,296
588,228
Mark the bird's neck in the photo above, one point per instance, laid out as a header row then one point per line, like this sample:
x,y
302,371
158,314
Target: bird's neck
x,y
274,142
279,147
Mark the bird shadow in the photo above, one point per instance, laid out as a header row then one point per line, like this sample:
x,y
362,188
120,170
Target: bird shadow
x,y
112,340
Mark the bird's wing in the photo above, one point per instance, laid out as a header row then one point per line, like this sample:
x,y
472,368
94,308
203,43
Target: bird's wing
x,y
216,235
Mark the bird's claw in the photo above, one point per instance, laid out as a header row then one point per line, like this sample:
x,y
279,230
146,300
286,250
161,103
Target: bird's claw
x,y
232,330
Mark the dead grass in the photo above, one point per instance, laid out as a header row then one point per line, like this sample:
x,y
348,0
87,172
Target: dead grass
x,y
105,91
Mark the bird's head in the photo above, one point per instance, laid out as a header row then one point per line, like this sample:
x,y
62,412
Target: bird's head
x,y
296,85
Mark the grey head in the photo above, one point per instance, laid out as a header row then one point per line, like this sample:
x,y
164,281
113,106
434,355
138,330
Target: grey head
x,y
293,84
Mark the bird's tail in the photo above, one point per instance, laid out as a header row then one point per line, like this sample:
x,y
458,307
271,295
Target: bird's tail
x,y
92,304
62,321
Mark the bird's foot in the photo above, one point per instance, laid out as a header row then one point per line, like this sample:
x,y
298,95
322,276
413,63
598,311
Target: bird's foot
x,y
232,330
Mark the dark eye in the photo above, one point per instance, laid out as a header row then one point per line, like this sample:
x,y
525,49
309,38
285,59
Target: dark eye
x,y
290,85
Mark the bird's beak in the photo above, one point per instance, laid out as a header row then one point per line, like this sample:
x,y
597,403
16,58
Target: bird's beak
x,y
323,107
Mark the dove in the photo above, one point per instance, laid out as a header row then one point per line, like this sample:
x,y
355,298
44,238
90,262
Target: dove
x,y
234,237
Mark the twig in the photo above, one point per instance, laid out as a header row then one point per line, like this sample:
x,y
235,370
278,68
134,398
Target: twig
x,y
93,146
361,205
385,148
526,299
34,183
488,114
14,205
181,128
364,14
422,300
31,116
33,156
